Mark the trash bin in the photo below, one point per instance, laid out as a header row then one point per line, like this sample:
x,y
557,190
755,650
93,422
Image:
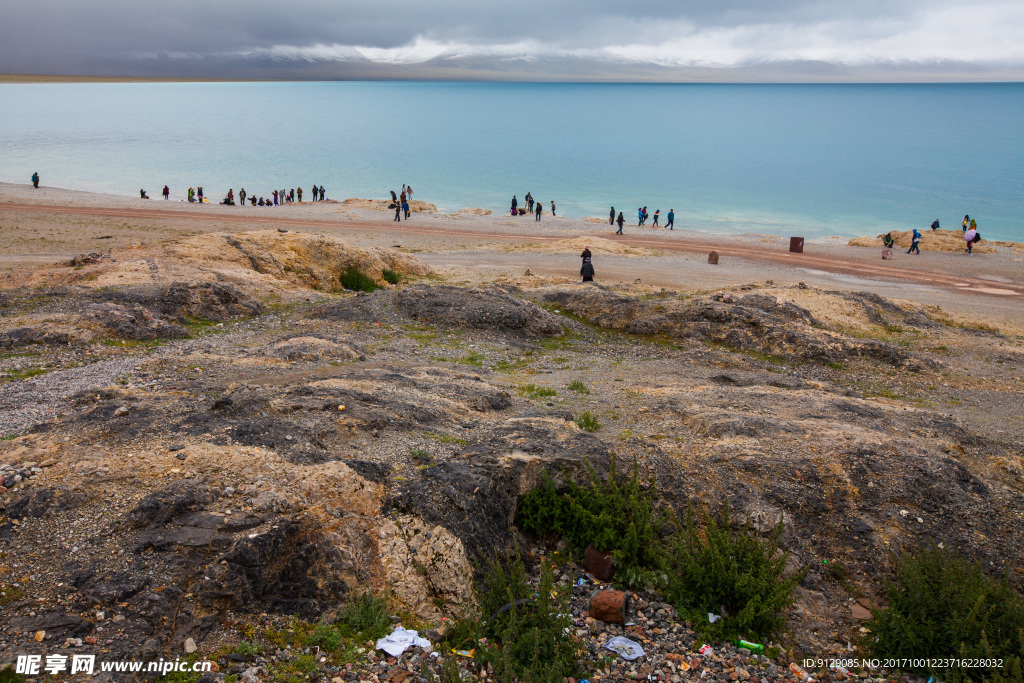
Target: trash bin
x,y
796,245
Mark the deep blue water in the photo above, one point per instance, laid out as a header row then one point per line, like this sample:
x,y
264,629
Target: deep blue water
x,y
782,159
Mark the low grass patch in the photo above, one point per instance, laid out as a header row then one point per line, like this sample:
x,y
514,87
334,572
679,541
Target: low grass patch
x,y
533,391
446,438
579,387
587,422
392,277
15,375
474,358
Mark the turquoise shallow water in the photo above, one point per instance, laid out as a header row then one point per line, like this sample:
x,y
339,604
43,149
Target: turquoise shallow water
x,y
783,159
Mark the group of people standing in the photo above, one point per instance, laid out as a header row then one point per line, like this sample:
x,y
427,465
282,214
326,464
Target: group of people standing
x,y
276,198
400,203
530,206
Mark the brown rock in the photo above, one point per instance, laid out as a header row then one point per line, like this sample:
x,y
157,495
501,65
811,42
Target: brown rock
x,y
598,563
609,606
89,640
860,612
713,258
733,675
695,663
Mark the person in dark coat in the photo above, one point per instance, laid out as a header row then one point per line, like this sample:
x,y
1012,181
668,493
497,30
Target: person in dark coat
x,y
587,269
35,180
611,216
620,220
539,207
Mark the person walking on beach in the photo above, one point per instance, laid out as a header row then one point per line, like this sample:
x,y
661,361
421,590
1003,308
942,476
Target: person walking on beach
x,y
552,209
587,269
241,196
657,212
316,192
671,219
275,198
167,192
35,180
611,216
515,205
971,236
405,208
529,203
398,213
539,208
298,193
322,191
620,220
646,215
916,238
966,221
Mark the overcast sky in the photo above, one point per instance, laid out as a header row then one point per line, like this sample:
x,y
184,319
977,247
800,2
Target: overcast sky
x,y
83,36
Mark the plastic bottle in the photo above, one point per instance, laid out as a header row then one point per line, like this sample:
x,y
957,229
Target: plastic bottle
x,y
803,675
747,645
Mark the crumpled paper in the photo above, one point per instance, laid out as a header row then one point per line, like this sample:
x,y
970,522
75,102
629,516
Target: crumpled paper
x,y
401,640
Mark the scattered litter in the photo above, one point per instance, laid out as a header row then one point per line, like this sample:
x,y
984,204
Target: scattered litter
x,y
401,640
465,653
625,647
706,650
713,617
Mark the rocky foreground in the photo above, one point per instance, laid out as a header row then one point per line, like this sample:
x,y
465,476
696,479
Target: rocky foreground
x,y
186,462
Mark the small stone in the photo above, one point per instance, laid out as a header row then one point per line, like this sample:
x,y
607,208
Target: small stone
x,y
190,646
89,640
176,447
39,636
123,410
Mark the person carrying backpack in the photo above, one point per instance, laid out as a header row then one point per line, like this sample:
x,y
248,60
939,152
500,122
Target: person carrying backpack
x,y
914,244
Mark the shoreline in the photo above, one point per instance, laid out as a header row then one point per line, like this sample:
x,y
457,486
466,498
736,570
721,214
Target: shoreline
x,y
49,225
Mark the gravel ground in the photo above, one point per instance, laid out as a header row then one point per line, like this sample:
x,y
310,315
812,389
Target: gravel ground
x,y
32,401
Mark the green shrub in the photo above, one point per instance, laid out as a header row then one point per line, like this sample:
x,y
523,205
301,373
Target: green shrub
x,y
391,276
588,422
579,387
723,565
366,617
356,280
941,605
528,628
615,514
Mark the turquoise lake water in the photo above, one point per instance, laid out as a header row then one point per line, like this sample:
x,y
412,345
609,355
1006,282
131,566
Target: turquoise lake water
x,y
782,159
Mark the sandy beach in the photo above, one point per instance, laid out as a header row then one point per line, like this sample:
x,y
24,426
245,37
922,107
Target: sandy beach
x,y
51,224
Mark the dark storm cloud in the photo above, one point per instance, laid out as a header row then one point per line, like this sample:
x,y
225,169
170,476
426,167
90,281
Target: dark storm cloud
x,y
59,35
